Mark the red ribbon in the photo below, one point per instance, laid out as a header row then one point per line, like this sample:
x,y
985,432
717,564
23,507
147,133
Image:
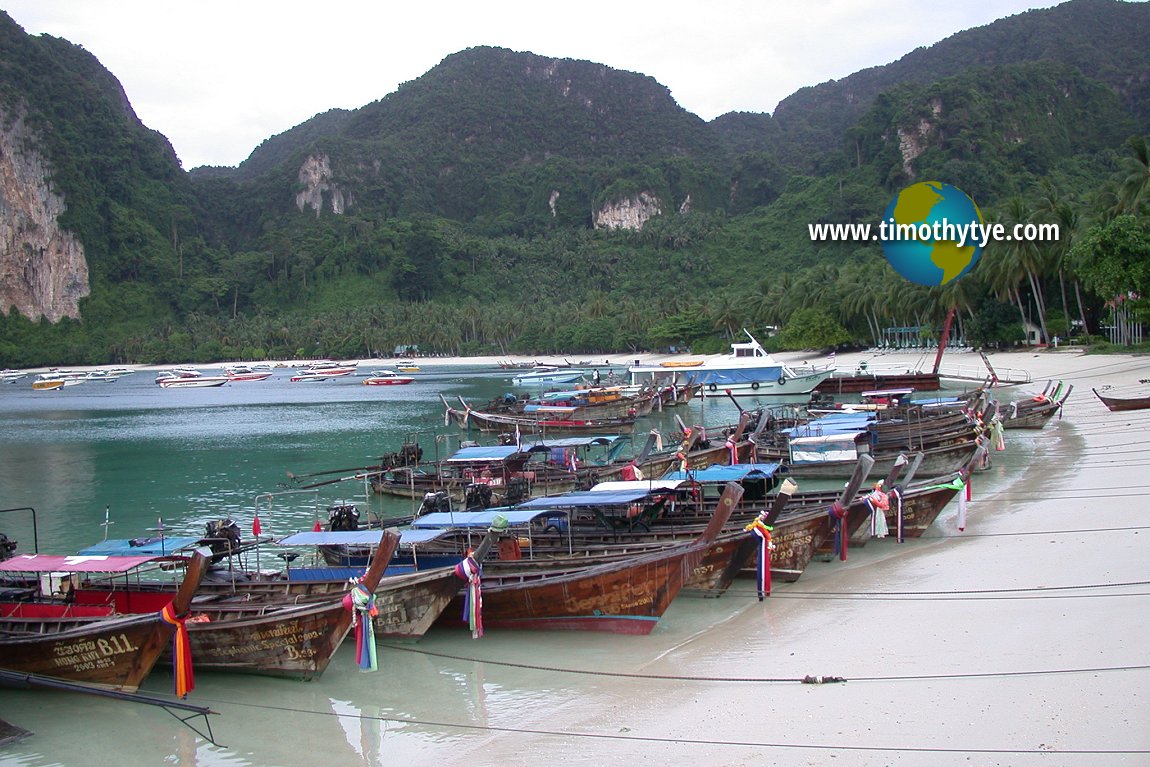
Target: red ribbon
x,y
184,678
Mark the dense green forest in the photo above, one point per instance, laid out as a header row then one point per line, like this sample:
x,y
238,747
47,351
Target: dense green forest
x,y
467,197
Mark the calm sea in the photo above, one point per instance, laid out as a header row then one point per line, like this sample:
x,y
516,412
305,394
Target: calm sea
x,y
140,457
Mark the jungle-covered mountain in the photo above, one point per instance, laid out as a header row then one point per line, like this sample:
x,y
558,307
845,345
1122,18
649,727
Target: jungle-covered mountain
x,y
510,202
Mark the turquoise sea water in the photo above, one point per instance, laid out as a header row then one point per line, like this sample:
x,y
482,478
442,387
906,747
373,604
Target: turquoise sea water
x,y
141,454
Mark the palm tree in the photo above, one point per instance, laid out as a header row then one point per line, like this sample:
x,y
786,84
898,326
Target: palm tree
x,y
1134,190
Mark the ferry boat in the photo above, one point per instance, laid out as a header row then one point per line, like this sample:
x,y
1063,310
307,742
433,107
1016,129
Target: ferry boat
x,y
747,371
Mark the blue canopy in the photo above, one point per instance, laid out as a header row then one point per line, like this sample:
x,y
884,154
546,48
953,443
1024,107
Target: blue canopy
x,y
736,473
144,546
472,519
834,423
485,453
369,537
601,439
589,498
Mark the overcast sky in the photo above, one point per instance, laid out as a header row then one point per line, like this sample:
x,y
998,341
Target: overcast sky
x,y
217,77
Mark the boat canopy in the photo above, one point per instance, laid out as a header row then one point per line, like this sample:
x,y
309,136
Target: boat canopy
x,y
448,519
73,563
590,498
737,473
137,547
833,423
824,449
355,537
484,453
589,441
650,485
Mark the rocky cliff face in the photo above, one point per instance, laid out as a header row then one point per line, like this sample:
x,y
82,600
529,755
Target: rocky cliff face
x,y
628,213
43,271
316,178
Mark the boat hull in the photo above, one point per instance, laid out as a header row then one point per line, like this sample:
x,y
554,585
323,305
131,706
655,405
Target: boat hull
x,y
116,653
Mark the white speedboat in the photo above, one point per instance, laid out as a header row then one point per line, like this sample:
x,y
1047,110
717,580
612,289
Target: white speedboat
x,y
246,373
11,376
322,371
193,382
747,371
386,378
547,375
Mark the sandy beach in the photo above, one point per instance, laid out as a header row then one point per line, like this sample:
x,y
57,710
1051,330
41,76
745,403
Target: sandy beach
x,y
1021,641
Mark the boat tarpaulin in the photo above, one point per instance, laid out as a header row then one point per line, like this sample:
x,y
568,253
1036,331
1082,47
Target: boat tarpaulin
x,y
520,515
73,563
649,485
137,547
484,453
737,473
588,498
367,537
603,439
830,447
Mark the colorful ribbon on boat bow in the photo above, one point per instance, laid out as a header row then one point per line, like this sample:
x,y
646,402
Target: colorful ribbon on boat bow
x,y
361,601
838,515
734,450
760,528
471,571
183,678
879,503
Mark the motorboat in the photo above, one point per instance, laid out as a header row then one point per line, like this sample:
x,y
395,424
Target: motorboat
x,y
546,375
748,370
246,373
386,378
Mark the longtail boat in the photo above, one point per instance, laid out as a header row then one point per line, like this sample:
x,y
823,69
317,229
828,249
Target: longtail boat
x,y
1117,404
1034,413
267,636
627,596
546,422
43,630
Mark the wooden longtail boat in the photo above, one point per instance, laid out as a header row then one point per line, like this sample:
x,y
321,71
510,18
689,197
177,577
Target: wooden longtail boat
x,y
269,636
1034,413
408,603
1117,404
627,596
860,382
531,423
49,634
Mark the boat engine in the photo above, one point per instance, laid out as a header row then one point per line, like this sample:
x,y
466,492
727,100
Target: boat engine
x,y
518,490
343,517
477,496
7,547
223,536
432,502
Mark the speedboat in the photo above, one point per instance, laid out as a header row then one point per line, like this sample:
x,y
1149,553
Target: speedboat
x,y
748,371
322,371
545,375
386,378
11,376
58,379
245,373
193,382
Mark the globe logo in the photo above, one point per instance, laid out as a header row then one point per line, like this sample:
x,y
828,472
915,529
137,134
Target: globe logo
x,y
930,235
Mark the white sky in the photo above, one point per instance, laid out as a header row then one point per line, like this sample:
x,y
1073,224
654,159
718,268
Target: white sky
x,y
217,77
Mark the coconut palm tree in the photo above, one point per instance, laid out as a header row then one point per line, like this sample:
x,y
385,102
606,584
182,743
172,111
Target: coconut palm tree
x,y
1134,189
